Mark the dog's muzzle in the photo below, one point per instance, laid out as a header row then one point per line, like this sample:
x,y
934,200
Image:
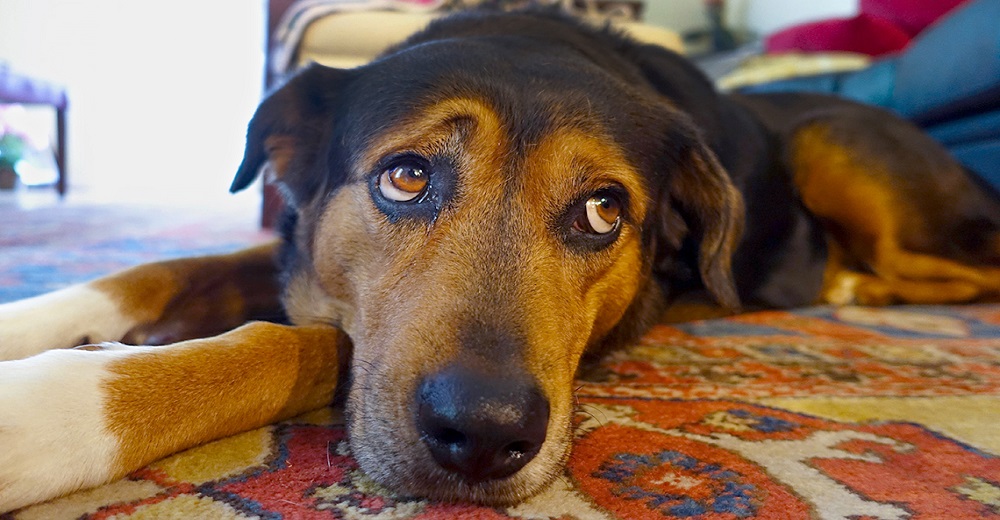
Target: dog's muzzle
x,y
481,425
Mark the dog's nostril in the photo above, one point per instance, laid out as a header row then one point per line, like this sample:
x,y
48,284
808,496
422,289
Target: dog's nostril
x,y
479,426
518,449
450,436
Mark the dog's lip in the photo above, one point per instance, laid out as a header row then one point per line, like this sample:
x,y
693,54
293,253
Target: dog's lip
x,y
443,485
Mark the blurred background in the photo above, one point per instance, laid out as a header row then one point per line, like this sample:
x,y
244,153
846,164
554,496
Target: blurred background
x,y
160,92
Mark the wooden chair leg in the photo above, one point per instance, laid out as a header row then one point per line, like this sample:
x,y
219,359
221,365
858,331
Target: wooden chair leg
x,y
61,151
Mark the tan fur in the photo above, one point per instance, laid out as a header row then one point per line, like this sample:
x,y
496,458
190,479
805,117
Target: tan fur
x,y
155,411
434,129
414,286
194,297
866,217
600,287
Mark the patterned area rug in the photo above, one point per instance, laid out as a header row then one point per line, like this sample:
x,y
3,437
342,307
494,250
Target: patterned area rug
x,y
849,413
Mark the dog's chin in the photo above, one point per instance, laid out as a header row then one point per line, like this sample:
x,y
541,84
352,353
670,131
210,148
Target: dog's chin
x,y
397,459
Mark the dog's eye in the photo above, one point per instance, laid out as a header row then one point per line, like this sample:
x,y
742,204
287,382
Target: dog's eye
x,y
403,183
602,215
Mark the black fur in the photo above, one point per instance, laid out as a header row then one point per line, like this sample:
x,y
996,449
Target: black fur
x,y
529,61
333,114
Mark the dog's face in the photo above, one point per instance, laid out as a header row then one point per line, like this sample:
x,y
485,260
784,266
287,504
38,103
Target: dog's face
x,y
476,218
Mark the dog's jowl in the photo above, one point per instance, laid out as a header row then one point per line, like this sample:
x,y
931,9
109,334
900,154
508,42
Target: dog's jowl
x,y
468,216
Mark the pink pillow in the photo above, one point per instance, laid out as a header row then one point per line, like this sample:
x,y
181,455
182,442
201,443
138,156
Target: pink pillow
x,y
863,33
912,16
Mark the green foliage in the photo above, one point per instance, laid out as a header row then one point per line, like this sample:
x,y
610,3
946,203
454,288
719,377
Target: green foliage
x,y
12,148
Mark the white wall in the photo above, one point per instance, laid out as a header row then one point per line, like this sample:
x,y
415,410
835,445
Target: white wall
x,y
763,17
756,16
679,15
160,92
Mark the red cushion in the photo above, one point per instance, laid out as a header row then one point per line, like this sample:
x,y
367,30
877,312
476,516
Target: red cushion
x,y
863,33
912,16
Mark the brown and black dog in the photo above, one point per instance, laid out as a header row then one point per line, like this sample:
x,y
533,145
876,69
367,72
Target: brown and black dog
x,y
469,215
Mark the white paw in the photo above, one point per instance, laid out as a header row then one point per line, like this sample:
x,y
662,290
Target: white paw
x,y
53,437
65,318
843,289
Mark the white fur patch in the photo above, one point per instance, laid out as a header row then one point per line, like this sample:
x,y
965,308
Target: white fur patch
x,y
59,319
53,436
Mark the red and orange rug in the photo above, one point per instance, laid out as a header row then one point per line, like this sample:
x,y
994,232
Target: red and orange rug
x,y
849,413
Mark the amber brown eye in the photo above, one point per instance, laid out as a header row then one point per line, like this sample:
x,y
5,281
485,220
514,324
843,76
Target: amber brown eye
x,y
403,183
602,215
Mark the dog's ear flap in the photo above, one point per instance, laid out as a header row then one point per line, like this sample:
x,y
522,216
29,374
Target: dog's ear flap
x,y
702,203
288,122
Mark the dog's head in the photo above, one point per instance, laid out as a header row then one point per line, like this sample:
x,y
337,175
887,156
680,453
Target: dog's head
x,y
476,209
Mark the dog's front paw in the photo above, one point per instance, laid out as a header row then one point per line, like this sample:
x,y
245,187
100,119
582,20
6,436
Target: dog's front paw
x,y
65,318
53,436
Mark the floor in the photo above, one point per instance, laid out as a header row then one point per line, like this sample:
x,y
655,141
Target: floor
x,y
47,243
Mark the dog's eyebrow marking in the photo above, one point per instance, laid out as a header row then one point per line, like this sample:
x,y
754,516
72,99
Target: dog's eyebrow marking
x,y
433,129
589,161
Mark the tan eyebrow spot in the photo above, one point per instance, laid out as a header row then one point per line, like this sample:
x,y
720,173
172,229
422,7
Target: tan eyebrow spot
x,y
569,162
433,129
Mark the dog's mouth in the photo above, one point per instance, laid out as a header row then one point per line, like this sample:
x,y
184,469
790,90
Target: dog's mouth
x,y
415,474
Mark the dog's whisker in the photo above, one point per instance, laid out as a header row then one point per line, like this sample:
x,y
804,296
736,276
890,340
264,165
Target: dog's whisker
x,y
363,364
584,406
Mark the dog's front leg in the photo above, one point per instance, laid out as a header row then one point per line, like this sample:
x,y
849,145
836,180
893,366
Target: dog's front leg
x,y
156,303
77,418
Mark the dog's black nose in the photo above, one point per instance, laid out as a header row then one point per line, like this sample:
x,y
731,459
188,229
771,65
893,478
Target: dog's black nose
x,y
482,426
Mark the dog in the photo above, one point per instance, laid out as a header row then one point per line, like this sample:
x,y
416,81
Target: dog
x,y
469,217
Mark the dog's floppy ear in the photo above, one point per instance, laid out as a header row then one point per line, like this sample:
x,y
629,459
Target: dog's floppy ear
x,y
287,128
699,201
